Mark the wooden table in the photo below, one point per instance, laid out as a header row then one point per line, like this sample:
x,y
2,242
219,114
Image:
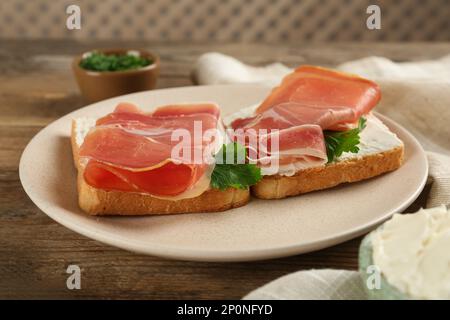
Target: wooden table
x,y
37,87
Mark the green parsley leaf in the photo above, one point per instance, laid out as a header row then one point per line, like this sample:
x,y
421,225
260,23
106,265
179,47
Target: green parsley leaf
x,y
238,174
338,142
112,62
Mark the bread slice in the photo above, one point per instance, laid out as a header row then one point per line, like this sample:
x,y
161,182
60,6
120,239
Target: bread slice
x,y
380,152
100,202
319,178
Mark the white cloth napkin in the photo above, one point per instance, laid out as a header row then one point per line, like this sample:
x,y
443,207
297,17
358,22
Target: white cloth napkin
x,y
312,285
415,94
217,68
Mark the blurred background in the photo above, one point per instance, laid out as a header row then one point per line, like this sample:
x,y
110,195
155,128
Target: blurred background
x,y
228,20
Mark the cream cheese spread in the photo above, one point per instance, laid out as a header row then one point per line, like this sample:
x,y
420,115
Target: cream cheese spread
x,y
413,253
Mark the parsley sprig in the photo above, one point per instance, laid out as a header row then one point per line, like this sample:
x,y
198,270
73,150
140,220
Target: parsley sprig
x,y
338,142
238,174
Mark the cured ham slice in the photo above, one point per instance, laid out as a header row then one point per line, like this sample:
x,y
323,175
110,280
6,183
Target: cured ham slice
x,y
159,181
181,110
289,114
129,150
304,145
308,101
164,119
333,93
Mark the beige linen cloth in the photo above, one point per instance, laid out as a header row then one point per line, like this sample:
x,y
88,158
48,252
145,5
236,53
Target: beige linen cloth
x,y
415,94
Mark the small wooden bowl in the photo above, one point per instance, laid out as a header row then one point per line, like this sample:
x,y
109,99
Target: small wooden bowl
x,y
100,85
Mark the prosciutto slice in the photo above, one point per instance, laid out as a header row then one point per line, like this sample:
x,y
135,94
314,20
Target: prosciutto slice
x,y
329,98
308,101
270,149
129,150
290,114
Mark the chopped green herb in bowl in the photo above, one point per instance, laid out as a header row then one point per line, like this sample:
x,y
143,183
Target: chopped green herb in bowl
x,y
106,73
97,61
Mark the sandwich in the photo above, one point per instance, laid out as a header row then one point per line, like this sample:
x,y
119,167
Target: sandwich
x,y
325,133
168,161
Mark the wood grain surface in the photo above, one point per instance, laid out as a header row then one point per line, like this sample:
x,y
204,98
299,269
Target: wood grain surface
x,y
37,87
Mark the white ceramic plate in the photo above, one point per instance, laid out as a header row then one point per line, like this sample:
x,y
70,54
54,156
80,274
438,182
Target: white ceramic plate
x,y
262,229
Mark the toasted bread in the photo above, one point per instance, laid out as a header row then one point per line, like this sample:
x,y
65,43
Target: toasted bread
x,y
330,175
101,202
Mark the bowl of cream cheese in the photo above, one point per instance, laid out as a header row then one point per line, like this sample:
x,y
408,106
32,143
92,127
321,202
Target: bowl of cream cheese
x,y
408,257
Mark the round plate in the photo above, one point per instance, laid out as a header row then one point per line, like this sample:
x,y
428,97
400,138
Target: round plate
x,y
260,230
